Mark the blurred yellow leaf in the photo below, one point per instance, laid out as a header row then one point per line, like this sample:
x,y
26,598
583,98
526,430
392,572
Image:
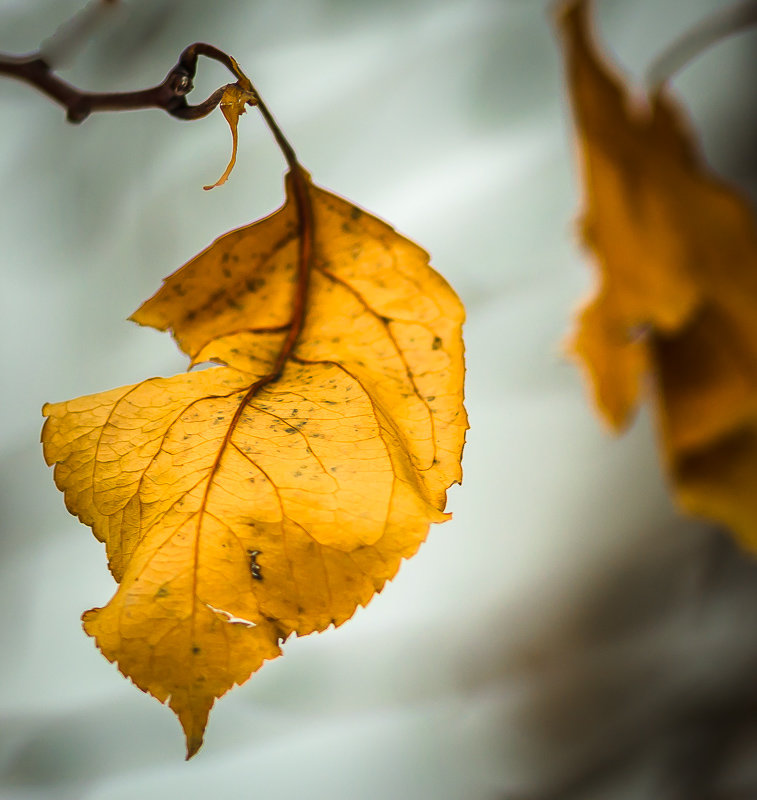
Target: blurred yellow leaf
x,y
675,306
273,495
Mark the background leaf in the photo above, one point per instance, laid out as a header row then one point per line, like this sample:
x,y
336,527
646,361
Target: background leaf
x,y
676,298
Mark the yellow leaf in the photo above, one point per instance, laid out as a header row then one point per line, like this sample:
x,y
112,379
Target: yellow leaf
x,y
676,300
242,503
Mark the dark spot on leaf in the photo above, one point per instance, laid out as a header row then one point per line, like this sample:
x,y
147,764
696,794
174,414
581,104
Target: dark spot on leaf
x,y
355,212
196,650
437,343
254,566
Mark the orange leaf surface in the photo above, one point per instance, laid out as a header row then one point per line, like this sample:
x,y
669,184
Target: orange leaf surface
x,y
273,495
676,300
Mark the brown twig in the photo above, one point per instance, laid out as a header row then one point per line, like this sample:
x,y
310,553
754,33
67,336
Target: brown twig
x,y
710,31
170,95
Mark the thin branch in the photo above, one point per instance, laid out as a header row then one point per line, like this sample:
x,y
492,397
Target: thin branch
x,y
170,95
71,37
710,31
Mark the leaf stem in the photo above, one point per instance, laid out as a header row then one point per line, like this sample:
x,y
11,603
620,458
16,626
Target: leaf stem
x,y
304,208
305,220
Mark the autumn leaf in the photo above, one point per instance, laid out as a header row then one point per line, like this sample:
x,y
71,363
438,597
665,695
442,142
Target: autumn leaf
x,y
675,306
272,495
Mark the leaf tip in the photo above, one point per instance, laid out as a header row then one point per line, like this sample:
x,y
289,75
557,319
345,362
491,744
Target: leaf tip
x,y
193,725
566,11
194,743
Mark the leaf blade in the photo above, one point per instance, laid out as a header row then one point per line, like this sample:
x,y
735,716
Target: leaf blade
x,y
274,494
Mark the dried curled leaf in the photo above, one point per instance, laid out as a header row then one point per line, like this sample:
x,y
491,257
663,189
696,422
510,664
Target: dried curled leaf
x,y
272,495
233,102
676,250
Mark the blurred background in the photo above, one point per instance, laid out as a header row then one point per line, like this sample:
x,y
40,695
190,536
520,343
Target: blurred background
x,y
566,635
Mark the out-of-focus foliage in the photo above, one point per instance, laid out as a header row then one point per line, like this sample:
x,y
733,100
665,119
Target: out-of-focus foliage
x,y
675,306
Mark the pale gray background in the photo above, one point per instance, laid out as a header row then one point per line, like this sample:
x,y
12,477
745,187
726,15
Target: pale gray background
x,y
446,118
